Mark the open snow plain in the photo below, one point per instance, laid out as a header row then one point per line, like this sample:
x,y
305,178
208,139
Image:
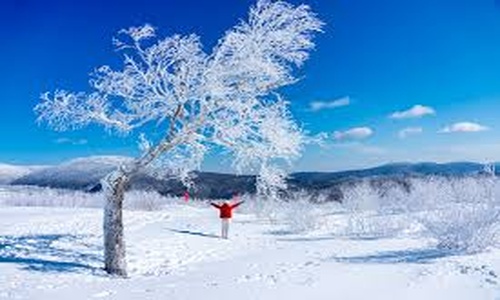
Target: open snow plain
x,y
294,251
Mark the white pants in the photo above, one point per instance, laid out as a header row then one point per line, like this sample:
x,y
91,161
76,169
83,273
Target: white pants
x,y
225,227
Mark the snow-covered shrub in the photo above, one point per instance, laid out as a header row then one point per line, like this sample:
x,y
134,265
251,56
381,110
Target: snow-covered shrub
x,y
265,208
301,215
374,225
361,197
33,196
298,212
465,228
146,200
461,214
363,204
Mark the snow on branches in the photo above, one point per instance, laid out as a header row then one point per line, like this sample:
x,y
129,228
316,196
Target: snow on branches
x,y
226,98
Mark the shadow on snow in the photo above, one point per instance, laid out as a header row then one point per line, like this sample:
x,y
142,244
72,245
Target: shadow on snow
x,y
373,237
197,233
418,256
43,253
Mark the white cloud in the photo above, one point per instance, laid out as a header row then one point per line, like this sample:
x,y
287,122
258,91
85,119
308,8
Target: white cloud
x,y
405,132
416,111
320,105
357,133
70,141
464,127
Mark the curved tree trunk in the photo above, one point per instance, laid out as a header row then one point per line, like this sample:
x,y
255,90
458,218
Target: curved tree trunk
x,y
114,245
114,186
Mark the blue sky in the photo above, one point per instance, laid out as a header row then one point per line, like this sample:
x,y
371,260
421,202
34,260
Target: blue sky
x,y
389,81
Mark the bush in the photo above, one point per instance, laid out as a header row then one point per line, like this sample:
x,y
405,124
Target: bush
x,y
463,228
146,200
460,214
299,212
33,196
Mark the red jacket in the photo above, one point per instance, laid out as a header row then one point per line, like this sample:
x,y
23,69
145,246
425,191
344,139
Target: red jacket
x,y
226,210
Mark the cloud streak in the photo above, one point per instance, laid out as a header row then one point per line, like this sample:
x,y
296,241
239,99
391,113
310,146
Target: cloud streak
x,y
357,133
322,105
70,141
464,127
417,111
408,131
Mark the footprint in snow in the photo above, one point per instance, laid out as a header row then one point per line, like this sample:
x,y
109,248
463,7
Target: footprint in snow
x,y
311,264
250,278
269,279
488,275
272,279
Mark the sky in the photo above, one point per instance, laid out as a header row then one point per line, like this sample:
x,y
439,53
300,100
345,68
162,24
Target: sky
x,y
389,80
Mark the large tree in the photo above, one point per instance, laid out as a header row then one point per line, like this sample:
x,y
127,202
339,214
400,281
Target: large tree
x,y
224,100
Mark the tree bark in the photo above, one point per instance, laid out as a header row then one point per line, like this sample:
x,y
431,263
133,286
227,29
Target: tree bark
x,y
114,245
114,186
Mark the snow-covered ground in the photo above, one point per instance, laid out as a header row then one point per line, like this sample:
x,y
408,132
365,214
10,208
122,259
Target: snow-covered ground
x,y
175,253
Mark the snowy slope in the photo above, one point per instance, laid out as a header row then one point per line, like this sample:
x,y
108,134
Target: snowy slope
x,y
9,173
174,253
80,173
86,172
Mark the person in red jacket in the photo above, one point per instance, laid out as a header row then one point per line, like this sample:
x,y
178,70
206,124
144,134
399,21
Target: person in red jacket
x,y
225,214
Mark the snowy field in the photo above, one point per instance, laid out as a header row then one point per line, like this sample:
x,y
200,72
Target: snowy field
x,y
287,251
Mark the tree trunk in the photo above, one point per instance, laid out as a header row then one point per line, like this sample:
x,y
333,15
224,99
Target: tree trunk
x,y
114,190
114,245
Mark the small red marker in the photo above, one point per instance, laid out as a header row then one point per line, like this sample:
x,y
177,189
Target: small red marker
x,y
186,196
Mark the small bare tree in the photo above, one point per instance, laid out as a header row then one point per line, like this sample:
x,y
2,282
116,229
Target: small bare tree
x,y
225,100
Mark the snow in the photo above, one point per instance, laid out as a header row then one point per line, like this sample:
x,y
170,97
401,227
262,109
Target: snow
x,y
9,173
175,253
83,166
77,173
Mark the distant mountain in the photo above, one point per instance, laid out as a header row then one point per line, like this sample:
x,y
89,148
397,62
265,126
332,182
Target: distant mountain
x,y
9,173
85,174
395,169
81,173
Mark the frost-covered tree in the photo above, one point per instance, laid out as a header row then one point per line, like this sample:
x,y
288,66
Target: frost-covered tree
x,y
225,100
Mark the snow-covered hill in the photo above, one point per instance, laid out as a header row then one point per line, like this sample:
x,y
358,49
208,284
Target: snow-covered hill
x,y
10,173
85,174
81,173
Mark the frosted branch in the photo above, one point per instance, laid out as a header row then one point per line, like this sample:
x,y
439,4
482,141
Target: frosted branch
x,y
226,99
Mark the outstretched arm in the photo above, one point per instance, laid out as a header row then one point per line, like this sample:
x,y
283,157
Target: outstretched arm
x,y
237,204
215,205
